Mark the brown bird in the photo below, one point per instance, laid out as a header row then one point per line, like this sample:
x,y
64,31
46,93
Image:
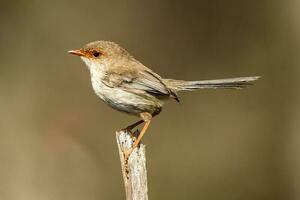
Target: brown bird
x,y
127,85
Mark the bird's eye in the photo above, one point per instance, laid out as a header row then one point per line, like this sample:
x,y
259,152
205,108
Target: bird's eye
x,y
96,54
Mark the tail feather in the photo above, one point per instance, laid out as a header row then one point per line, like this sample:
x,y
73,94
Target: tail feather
x,y
230,83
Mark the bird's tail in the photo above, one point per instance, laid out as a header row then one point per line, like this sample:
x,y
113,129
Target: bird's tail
x,y
230,83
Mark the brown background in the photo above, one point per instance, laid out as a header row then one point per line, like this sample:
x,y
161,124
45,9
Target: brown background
x,y
57,138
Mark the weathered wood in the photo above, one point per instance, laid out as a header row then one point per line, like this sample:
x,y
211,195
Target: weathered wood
x,y
134,168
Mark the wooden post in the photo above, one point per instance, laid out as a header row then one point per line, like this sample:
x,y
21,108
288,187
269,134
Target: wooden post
x,y
134,169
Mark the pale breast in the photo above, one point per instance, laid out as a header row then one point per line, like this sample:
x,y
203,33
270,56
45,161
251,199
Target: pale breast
x,y
123,100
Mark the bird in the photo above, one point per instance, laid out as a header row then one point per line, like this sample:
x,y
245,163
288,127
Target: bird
x,y
127,85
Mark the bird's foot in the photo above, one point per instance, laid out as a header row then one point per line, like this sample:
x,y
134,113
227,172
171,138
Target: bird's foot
x,y
127,153
127,130
133,134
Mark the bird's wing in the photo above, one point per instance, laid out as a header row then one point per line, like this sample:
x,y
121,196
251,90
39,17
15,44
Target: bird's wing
x,y
139,81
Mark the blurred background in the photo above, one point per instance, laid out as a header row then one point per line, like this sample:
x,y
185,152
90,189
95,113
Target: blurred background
x,y
57,139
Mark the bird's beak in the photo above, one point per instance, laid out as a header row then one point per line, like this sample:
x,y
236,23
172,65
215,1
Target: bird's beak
x,y
76,52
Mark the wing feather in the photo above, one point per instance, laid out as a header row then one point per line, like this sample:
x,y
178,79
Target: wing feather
x,y
139,82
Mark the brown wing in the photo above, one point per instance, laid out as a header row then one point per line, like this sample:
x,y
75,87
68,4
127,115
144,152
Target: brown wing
x,y
139,81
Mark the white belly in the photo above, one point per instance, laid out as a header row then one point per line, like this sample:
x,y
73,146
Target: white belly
x,y
125,101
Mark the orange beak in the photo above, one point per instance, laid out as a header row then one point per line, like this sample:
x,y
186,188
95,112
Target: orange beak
x,y
76,52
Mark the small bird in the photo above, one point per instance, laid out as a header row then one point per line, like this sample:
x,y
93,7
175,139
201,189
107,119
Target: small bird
x,y
127,85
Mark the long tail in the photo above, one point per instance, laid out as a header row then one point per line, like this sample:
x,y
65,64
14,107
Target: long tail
x,y
230,83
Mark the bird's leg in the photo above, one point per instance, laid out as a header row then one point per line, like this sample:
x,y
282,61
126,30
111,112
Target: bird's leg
x,y
147,119
132,126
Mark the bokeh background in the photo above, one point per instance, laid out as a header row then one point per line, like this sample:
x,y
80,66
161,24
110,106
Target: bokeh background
x,y
57,139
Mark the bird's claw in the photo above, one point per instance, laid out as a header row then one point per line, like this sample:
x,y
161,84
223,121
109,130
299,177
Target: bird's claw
x,y
127,153
127,130
132,134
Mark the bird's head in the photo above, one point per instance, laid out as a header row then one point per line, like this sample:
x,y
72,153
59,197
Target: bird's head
x,y
100,53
